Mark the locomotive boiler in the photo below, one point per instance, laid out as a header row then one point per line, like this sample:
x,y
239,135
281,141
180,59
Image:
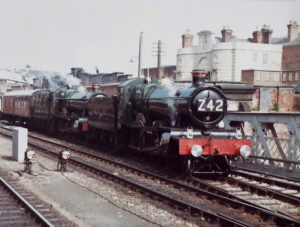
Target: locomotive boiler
x,y
164,104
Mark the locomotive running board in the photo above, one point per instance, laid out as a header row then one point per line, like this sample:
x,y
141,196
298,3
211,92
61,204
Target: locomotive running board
x,y
145,149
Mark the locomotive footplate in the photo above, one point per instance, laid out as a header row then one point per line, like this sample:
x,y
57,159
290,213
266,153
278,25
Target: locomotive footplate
x,y
211,146
211,155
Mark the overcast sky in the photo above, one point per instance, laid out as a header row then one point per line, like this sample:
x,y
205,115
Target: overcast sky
x,y
59,34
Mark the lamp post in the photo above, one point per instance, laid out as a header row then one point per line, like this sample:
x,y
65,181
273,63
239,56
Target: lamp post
x,y
140,54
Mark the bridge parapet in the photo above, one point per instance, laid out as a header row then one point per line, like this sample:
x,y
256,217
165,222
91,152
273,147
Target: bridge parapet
x,y
271,153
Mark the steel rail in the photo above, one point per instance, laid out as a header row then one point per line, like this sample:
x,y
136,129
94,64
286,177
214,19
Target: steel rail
x,y
263,190
37,215
263,179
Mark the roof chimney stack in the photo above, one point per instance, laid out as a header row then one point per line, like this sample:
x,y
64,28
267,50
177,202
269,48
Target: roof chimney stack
x,y
226,34
257,36
187,40
266,34
293,30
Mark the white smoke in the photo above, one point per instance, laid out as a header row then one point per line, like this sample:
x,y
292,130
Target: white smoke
x,y
81,89
54,80
167,82
71,80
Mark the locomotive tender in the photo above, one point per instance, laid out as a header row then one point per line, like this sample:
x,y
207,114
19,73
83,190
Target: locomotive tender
x,y
180,123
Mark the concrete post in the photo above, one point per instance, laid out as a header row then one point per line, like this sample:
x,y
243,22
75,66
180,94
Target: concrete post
x,y
19,143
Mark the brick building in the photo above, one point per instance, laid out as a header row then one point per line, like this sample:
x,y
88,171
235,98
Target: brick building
x,y
289,73
166,71
291,56
98,78
276,88
274,98
262,77
15,79
271,78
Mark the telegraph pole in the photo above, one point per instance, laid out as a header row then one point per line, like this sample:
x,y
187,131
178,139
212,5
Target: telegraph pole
x,y
140,54
158,59
158,50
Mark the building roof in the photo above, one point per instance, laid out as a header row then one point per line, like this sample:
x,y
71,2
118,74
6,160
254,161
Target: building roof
x,y
16,76
279,40
21,93
294,42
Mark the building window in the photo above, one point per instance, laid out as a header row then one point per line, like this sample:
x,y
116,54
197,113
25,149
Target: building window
x,y
179,62
254,57
290,76
266,76
265,58
284,77
257,76
297,76
275,76
204,64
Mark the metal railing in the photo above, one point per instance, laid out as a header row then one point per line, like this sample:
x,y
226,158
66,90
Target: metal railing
x,y
271,153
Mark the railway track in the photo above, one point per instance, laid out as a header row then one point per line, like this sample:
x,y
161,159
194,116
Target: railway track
x,y
284,195
204,201
21,208
262,195
283,190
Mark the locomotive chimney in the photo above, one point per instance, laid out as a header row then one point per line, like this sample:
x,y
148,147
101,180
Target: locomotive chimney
x,y
187,40
199,77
